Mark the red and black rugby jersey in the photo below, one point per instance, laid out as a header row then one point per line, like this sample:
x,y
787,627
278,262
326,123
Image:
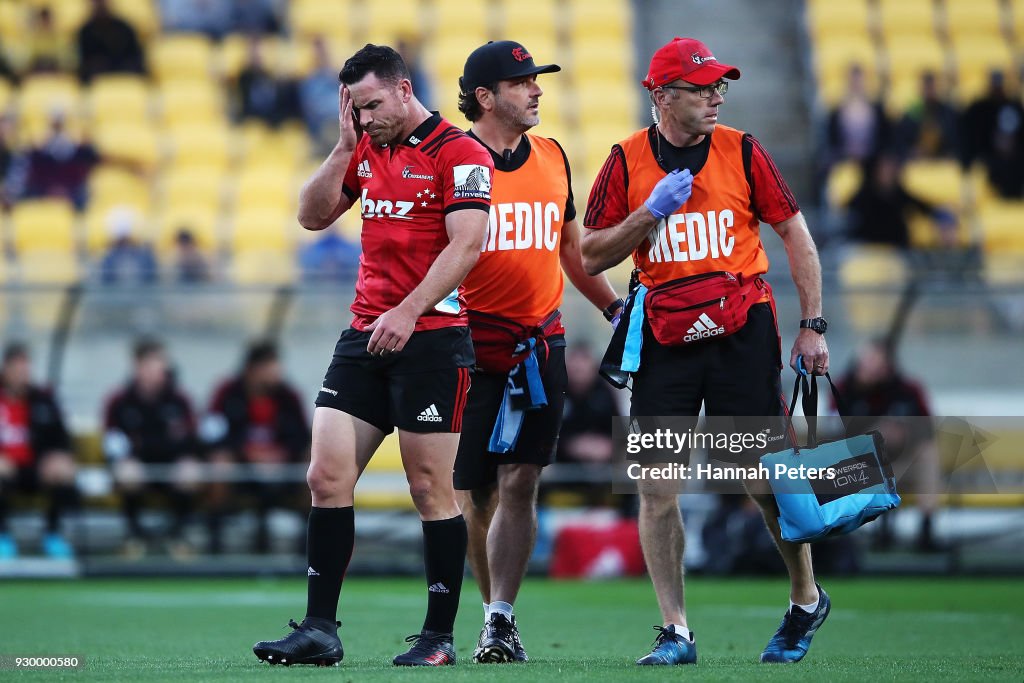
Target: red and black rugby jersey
x,y
405,191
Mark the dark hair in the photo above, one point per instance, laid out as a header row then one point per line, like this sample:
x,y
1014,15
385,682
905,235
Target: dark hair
x,y
470,105
380,60
147,346
260,352
15,350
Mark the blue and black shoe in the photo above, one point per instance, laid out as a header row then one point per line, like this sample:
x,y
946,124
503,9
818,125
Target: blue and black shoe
x,y
791,642
670,648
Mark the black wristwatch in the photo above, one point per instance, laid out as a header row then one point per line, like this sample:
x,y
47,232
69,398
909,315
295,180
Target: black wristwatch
x,y
819,325
613,308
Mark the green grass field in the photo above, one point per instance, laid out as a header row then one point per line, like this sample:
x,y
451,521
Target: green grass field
x,y
139,630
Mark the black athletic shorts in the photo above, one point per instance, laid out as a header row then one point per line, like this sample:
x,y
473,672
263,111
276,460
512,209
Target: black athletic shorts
x,y
477,467
737,375
421,389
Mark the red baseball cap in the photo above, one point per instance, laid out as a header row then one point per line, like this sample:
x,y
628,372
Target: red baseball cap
x,y
687,59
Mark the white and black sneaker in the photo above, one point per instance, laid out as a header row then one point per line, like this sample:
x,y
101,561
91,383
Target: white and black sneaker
x,y
497,641
314,641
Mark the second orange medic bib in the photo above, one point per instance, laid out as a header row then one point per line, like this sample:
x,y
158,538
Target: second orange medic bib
x,y
519,276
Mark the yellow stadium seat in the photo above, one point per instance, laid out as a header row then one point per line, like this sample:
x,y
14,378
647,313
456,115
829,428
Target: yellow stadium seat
x,y
68,15
314,17
298,57
975,57
110,184
1004,269
263,267
191,101
833,59
983,18
135,143
593,61
898,18
908,58
862,270
193,186
937,182
532,23
386,22
42,93
843,182
48,267
12,21
43,224
611,103
1002,227
181,56
827,19
1016,9
266,187
263,229
141,14
119,97
233,54
596,147
453,17
609,22
203,223
205,145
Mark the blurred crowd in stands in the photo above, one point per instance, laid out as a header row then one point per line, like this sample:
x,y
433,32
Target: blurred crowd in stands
x,y
989,131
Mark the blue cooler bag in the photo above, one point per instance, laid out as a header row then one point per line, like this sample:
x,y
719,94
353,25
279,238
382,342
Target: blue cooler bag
x,y
862,488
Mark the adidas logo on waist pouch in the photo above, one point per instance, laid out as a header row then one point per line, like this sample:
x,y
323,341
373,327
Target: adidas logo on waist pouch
x,y
703,328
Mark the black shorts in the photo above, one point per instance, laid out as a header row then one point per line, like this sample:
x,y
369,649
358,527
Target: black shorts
x,y
421,389
738,375
475,466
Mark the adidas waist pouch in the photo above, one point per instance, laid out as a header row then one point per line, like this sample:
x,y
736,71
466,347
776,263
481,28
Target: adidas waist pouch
x,y
499,342
694,309
852,485
524,391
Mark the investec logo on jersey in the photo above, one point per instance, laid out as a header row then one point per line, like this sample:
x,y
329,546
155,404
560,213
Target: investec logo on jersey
x,y
522,225
692,237
384,208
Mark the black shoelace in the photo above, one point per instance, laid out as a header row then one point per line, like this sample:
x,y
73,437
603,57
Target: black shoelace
x,y
795,625
426,644
664,635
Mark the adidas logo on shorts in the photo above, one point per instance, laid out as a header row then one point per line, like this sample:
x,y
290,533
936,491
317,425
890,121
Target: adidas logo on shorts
x,y
430,415
438,588
702,329
363,169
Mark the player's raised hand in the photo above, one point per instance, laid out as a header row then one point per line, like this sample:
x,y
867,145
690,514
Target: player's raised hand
x,y
348,134
391,331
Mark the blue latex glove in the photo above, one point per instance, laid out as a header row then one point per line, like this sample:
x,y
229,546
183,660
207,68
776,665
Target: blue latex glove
x,y
670,193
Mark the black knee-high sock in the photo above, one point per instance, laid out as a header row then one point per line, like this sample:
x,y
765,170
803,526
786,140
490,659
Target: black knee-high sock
x,y
3,509
182,502
444,555
329,540
63,499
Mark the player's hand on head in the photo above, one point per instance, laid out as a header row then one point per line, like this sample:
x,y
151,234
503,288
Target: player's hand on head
x,y
348,134
391,331
670,193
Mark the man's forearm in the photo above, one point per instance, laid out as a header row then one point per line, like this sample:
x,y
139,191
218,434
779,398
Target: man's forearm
x,y
804,266
595,288
322,200
609,247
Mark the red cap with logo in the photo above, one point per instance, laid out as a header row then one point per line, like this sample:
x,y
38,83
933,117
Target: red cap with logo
x,y
687,59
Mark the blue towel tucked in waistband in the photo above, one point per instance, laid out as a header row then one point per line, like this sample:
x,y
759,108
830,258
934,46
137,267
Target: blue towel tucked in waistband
x,y
634,335
524,390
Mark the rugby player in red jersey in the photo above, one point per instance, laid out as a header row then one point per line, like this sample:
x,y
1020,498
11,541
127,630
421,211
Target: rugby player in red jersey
x,y
423,186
